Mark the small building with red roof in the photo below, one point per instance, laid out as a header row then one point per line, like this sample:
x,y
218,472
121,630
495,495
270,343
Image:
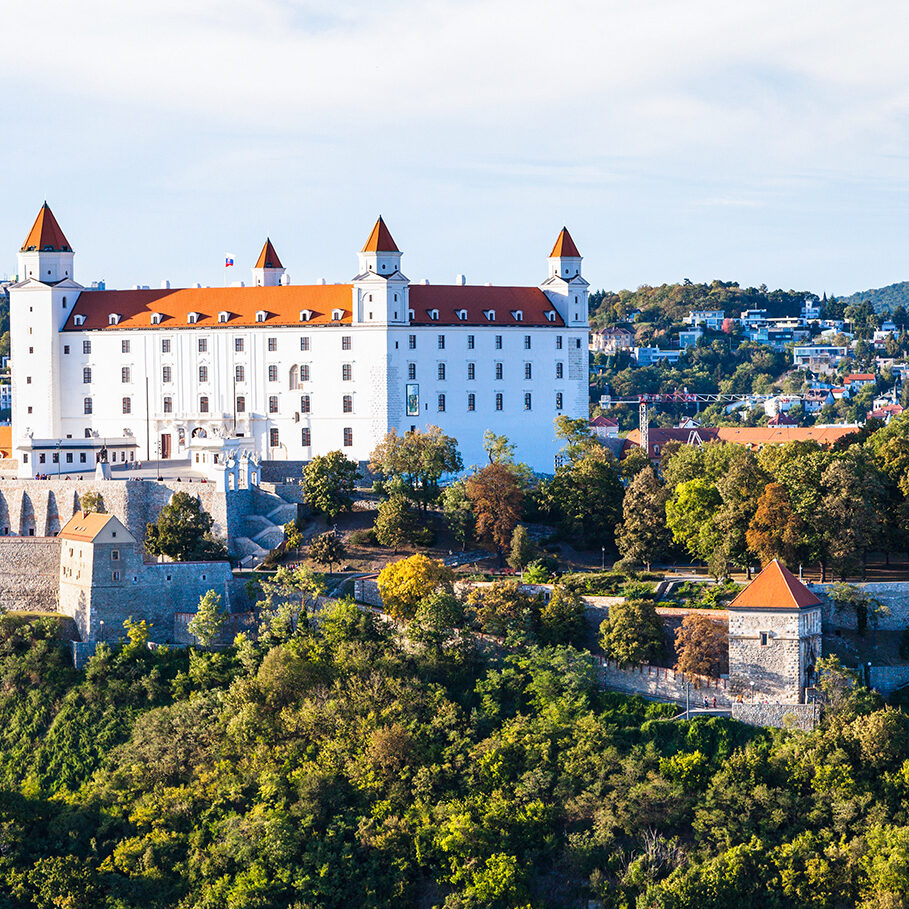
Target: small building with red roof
x,y
774,637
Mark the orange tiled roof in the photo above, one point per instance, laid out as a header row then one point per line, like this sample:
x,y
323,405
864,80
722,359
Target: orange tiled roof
x,y
380,239
45,235
268,258
776,587
282,306
449,299
564,246
859,377
84,527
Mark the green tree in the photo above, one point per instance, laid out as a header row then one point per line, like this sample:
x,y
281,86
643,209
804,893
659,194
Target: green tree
x,y
633,633
522,549
327,548
91,502
183,532
456,507
689,515
396,522
293,539
643,535
563,620
419,459
740,490
208,620
329,483
503,608
435,621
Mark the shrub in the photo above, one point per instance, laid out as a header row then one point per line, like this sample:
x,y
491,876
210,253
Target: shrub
x,y
365,537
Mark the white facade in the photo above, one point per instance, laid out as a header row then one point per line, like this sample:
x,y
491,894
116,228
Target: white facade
x,y
296,370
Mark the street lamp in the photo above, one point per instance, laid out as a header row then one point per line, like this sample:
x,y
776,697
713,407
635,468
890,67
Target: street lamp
x,y
602,558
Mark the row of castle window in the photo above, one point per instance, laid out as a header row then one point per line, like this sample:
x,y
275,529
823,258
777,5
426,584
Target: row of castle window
x,y
346,342
274,437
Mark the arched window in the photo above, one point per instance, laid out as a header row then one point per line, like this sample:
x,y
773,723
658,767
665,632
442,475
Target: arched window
x,y
203,404
294,381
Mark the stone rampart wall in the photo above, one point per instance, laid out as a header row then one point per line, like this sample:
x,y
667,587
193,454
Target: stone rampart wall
x,y
780,716
29,573
886,679
893,594
665,684
366,591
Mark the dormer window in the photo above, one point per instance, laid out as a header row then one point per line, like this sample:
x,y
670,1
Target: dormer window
x,y
79,319
261,315
517,315
305,315
192,318
550,315
113,318
337,315
462,314
223,316
156,318
434,315
490,315
410,314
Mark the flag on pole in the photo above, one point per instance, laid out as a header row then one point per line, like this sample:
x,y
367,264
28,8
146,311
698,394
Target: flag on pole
x,y
228,260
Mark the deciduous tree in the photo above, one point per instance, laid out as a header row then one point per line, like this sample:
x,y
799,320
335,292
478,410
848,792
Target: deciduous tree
x,y
702,645
496,499
396,523
183,532
643,535
208,620
329,482
774,531
633,633
327,548
405,583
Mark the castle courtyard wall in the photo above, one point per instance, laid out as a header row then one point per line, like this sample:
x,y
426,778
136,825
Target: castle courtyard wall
x,y
29,573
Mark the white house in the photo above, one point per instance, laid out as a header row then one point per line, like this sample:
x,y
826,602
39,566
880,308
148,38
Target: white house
x,y
298,370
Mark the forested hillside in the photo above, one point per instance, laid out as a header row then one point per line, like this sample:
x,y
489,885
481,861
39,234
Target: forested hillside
x,y
883,299
331,766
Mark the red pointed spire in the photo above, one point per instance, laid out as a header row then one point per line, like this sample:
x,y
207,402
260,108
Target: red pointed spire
x,y
564,247
268,258
45,235
380,240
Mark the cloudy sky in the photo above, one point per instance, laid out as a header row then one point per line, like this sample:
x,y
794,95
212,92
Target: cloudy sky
x,y
760,142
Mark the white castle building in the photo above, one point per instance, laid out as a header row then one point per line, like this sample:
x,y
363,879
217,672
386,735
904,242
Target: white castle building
x,y
291,371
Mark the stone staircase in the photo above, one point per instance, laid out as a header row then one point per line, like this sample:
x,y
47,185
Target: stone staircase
x,y
263,530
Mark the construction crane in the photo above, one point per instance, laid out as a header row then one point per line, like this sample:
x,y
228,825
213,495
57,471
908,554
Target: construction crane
x,y
679,397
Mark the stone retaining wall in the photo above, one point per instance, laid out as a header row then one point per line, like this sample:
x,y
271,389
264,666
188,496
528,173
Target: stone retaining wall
x,y
366,591
665,684
780,716
893,594
886,679
29,573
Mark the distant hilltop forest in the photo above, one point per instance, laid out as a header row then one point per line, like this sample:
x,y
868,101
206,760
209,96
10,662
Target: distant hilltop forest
x,y
670,303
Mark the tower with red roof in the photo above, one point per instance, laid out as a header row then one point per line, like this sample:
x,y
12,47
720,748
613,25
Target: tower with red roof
x,y
268,270
774,637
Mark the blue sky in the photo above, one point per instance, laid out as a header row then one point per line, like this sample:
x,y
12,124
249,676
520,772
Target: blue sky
x,y
759,142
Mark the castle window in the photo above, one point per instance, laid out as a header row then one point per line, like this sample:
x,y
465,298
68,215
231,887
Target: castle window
x,y
192,318
165,345
560,369
82,457
345,342
765,637
261,315
558,342
411,342
499,401
272,373
272,345
526,342
79,320
471,401
87,405
86,347
115,555
517,315
203,404
348,436
558,400
434,315
203,373
471,371
498,342
127,405
113,318
305,405
347,404
124,347
527,401
116,575
239,374
411,371
470,342
28,380
528,370
241,404
441,403
156,318
462,315
577,343
441,342
238,345
272,403
274,438
550,315
125,375
66,348
69,457
203,345
306,437
410,314
168,404
441,372
304,343
499,371
63,302
304,372
346,372
337,315
223,316
305,316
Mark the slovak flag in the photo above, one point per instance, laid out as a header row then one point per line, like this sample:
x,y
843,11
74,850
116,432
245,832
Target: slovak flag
x,y
228,261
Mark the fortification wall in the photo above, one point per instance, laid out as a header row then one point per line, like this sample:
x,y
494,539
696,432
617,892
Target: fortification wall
x,y
29,573
893,594
665,684
780,716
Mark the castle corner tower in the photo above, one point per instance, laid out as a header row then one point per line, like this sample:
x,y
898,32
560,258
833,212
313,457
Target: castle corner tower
x,y
268,270
565,288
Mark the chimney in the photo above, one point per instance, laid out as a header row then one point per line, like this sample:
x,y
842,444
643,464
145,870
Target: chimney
x,y
460,280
